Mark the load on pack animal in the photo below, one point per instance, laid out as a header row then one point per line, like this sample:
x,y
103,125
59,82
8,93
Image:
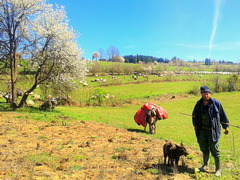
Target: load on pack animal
x,y
149,114
173,152
49,104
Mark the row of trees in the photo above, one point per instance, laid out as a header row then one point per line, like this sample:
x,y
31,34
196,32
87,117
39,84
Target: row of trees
x,y
113,54
155,68
209,61
42,36
145,59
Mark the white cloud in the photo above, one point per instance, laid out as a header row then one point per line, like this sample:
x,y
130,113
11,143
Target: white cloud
x,y
218,4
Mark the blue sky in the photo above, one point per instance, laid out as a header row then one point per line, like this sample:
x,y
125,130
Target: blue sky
x,y
161,28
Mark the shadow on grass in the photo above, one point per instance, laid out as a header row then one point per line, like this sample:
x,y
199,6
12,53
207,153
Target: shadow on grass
x,y
169,170
138,131
5,107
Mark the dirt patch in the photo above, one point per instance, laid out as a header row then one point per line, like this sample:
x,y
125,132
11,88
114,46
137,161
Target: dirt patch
x,y
82,150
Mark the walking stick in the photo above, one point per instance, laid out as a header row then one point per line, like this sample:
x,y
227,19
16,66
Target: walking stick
x,y
221,122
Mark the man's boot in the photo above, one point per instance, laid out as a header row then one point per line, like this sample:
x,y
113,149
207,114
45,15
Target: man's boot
x,y
205,163
218,166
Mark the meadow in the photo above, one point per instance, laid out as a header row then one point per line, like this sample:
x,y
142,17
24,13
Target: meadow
x,y
177,127
130,96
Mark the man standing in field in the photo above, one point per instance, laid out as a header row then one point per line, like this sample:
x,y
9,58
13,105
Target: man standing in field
x,y
207,117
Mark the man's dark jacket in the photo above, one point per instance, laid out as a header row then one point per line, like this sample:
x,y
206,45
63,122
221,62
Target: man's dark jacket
x,y
217,116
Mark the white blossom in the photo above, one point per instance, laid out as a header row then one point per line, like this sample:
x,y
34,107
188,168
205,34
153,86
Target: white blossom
x,y
43,36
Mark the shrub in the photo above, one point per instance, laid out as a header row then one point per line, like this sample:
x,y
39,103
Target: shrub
x,y
195,91
217,84
98,96
233,83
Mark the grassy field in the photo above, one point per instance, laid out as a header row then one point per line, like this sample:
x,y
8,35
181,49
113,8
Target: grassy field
x,y
177,127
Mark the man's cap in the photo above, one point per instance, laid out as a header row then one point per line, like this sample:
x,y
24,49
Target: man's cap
x,y
205,89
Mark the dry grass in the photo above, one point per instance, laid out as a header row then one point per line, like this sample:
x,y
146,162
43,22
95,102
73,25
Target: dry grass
x,y
80,150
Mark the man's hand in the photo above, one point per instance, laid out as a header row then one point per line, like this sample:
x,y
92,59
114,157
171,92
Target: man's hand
x,y
226,131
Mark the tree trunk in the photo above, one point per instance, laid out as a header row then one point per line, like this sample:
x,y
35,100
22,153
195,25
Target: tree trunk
x,y
14,80
25,95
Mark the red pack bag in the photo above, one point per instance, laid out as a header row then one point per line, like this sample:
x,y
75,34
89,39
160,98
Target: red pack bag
x,y
140,116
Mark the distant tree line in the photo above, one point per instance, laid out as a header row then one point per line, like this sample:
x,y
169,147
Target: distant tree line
x,y
144,59
209,61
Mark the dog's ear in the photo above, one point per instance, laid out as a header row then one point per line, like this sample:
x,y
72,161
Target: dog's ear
x,y
181,144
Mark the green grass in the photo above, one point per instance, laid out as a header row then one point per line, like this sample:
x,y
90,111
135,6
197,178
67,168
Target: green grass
x,y
44,157
177,127
143,90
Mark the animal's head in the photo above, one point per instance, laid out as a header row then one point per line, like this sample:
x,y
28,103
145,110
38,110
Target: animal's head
x,y
54,101
181,150
7,95
167,144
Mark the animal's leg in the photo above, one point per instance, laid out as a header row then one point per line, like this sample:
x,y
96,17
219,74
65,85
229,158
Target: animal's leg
x,y
165,157
168,161
176,161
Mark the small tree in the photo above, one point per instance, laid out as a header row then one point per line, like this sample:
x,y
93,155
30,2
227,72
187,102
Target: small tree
x,y
207,61
102,53
95,55
119,68
112,52
118,59
233,83
95,68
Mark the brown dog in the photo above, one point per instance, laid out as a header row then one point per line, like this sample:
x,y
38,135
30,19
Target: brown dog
x,y
51,103
173,152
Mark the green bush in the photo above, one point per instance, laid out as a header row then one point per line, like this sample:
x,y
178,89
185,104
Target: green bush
x,y
98,96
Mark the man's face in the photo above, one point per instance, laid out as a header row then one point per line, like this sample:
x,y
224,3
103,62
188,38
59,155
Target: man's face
x,y
206,96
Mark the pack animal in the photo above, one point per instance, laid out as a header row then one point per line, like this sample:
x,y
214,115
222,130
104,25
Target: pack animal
x,y
173,152
149,114
19,93
8,96
151,119
49,104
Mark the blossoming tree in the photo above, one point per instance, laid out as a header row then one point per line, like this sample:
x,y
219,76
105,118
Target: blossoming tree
x,y
95,55
44,38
